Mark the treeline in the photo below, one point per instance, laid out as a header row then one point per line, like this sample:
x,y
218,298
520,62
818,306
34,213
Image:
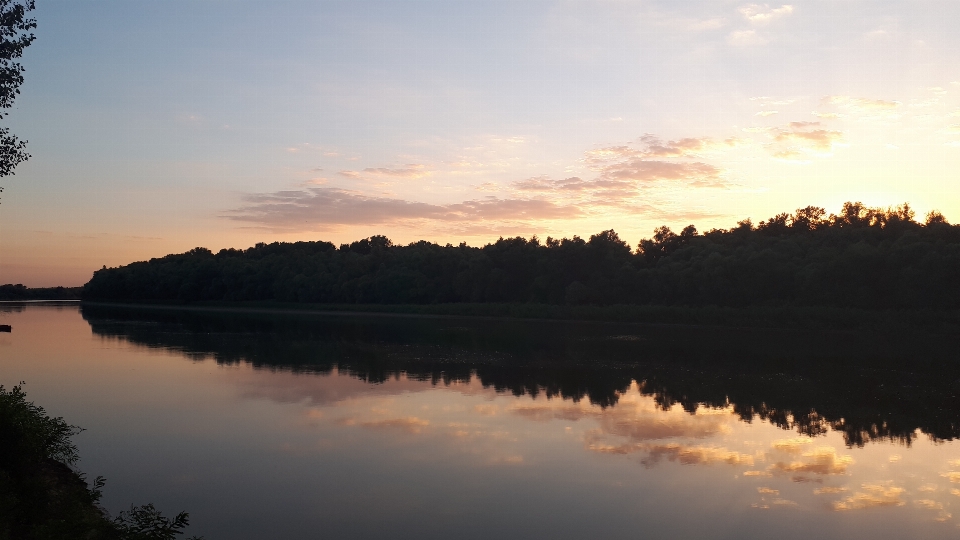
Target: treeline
x,y
863,257
19,291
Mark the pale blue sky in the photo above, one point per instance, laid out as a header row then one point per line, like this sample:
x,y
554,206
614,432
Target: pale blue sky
x,y
159,126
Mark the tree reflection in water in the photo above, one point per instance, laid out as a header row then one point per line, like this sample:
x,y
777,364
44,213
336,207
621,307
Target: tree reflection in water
x,y
867,386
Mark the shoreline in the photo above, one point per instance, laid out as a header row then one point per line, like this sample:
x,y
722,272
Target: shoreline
x,y
759,318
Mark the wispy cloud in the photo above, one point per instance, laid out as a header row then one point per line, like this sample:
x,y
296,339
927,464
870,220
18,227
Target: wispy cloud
x,y
745,38
862,104
306,209
707,24
762,14
799,141
413,170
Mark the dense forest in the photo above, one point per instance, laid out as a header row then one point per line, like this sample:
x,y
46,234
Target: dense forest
x,y
11,292
862,257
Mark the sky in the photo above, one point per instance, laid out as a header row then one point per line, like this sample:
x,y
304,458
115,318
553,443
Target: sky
x,y
157,127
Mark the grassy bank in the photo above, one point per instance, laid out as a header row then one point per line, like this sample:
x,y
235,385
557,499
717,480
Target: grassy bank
x,y
752,317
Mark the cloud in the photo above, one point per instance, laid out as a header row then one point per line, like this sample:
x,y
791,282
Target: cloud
x,y
768,491
413,170
823,460
818,139
686,147
610,153
636,419
707,24
953,476
642,170
410,424
799,140
830,490
624,170
767,113
872,496
303,209
745,38
544,183
686,455
487,186
696,455
862,104
791,446
762,14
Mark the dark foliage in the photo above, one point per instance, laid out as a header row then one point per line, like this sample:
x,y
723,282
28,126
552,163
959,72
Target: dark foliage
x,y
42,498
21,292
862,257
15,36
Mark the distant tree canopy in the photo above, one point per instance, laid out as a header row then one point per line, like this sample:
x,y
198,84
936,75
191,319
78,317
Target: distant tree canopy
x,y
862,257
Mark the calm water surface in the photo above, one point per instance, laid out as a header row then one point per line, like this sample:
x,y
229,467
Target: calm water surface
x,y
309,426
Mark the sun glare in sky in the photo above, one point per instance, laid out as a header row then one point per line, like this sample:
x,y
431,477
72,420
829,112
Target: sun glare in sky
x,y
157,127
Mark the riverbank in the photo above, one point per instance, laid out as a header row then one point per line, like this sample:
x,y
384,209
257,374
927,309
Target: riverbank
x,y
43,497
826,318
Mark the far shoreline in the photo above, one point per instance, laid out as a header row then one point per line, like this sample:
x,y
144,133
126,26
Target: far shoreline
x,y
756,317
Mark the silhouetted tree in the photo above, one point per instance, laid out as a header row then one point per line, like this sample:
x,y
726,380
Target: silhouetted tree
x,y
876,258
15,36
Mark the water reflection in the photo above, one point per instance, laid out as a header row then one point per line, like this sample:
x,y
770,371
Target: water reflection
x,y
867,387
366,427
659,394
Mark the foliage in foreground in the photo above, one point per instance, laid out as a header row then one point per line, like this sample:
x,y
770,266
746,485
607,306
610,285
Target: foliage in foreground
x,y
870,258
42,498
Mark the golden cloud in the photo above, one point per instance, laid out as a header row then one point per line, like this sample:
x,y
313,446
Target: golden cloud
x,y
872,496
829,490
696,455
823,460
952,476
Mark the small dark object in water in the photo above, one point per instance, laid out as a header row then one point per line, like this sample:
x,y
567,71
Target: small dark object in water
x,y
5,328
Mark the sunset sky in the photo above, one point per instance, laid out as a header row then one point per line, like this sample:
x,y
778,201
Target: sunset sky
x,y
156,127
